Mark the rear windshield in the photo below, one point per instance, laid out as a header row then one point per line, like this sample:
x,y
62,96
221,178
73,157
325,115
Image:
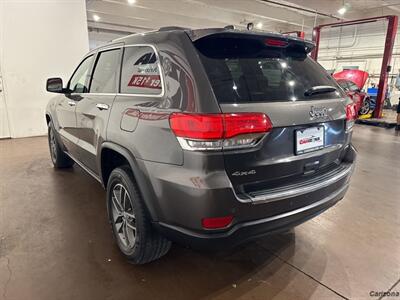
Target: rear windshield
x,y
243,70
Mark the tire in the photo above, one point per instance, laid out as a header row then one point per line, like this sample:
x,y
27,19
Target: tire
x,y
130,221
58,157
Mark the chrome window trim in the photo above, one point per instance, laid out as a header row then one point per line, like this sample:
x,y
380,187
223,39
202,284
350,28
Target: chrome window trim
x,y
100,94
124,94
93,94
94,55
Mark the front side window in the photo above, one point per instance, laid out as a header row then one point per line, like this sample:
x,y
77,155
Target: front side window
x,y
140,72
79,80
105,75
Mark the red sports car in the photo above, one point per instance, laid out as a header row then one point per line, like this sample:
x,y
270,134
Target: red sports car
x,y
352,82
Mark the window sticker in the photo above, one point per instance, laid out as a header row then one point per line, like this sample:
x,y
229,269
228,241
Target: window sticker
x,y
145,81
140,72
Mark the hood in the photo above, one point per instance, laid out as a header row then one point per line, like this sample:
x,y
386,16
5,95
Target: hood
x,y
357,76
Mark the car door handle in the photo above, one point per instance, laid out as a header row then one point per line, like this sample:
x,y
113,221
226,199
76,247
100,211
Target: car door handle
x,y
102,106
71,103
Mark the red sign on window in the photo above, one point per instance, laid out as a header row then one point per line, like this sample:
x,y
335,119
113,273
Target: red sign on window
x,y
145,81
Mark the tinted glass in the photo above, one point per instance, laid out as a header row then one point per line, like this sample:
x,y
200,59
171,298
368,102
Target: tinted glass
x,y
343,84
105,75
246,70
353,87
79,80
140,73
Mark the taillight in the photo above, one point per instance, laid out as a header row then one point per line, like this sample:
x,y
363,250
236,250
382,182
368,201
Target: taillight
x,y
197,126
217,131
351,116
236,124
216,223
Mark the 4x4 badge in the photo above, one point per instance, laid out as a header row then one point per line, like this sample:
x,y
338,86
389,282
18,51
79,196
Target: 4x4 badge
x,y
318,112
244,173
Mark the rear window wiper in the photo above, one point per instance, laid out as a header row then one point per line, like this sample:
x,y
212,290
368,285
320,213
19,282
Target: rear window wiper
x,y
319,89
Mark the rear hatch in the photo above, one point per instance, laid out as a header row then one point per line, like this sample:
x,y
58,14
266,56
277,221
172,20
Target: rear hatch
x,y
274,75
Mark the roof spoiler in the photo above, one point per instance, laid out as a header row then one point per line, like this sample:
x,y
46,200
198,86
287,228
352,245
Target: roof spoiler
x,y
290,41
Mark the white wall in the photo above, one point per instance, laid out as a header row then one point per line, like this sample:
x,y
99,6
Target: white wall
x,y
99,38
38,39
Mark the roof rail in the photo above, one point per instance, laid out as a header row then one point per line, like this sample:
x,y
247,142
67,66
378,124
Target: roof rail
x,y
169,28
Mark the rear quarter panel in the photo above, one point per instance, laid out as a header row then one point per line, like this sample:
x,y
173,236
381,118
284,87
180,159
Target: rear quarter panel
x,y
140,123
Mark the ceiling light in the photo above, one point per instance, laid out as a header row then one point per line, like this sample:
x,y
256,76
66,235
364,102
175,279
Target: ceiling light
x,y
342,10
259,25
131,1
96,18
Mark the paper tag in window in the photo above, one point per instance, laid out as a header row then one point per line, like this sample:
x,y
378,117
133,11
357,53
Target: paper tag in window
x,y
145,81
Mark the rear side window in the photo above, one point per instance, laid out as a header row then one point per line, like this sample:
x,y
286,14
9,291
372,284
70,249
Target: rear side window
x,y
140,71
106,71
245,70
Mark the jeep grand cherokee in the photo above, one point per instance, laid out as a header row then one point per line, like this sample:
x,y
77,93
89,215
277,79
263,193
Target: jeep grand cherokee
x,y
206,137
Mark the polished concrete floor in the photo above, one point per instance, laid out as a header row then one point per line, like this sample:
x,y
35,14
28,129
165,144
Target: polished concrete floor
x,y
55,242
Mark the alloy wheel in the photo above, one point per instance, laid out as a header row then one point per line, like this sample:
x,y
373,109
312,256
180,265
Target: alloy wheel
x,y
123,216
53,146
364,108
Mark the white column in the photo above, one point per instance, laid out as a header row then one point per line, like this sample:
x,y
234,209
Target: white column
x,y
38,39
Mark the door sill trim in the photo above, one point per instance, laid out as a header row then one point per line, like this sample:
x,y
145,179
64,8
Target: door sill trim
x,y
86,169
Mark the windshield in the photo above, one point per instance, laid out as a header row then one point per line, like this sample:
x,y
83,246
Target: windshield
x,y
243,70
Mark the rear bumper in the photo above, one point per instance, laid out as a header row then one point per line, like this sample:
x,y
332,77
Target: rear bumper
x,y
183,196
304,187
245,231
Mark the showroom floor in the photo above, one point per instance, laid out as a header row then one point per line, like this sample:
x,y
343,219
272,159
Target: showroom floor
x,y
56,243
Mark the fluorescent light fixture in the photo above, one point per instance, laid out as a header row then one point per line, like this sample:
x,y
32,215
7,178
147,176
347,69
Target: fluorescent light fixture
x,y
342,10
96,18
131,1
259,25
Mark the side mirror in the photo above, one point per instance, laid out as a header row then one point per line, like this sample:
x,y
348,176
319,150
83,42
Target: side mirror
x,y
54,85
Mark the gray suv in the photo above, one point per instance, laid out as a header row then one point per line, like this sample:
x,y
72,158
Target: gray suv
x,y
205,137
